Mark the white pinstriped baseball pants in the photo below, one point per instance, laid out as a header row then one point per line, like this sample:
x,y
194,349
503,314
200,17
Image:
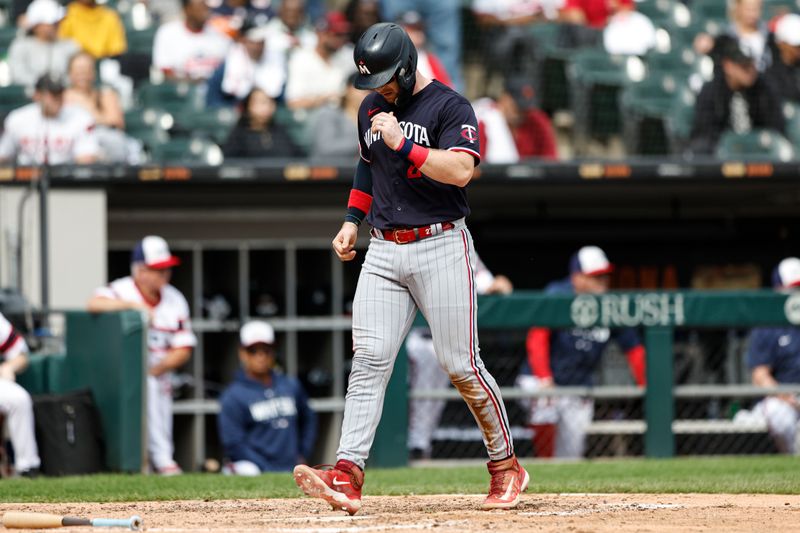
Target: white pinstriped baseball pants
x,y
435,275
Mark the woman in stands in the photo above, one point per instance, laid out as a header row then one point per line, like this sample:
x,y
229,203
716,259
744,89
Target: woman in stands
x,y
256,134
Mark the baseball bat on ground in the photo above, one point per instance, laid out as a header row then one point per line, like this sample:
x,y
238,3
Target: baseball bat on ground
x,y
26,520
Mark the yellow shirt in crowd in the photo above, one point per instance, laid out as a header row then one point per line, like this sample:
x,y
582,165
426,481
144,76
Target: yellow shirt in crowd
x,y
97,29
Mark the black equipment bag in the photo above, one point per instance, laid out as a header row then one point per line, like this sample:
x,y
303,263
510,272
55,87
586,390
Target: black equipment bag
x,y
69,433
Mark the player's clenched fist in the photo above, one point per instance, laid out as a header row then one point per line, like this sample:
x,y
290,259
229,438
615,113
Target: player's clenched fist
x,y
386,124
345,240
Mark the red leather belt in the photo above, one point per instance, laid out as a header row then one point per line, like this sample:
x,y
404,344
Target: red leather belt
x,y
407,235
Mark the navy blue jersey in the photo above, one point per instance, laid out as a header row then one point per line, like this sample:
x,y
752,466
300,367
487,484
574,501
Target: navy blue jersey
x,y
777,348
271,426
576,353
402,197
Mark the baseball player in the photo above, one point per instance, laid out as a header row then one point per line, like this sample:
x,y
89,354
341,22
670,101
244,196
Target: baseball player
x,y
569,357
426,373
773,356
265,423
169,340
419,147
15,402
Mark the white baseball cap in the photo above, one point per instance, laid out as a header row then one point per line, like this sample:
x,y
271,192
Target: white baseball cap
x,y
787,30
256,332
154,252
591,261
43,12
787,273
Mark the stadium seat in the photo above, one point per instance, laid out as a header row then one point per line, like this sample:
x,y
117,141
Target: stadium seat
x,y
710,9
595,79
297,130
214,124
680,61
665,12
189,151
645,107
755,145
679,120
792,113
172,97
151,126
141,42
7,34
12,97
773,8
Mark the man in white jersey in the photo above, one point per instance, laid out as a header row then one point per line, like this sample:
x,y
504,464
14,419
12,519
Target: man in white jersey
x,y
15,402
189,49
169,341
47,131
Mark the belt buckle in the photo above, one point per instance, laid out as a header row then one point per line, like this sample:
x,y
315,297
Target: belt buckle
x,y
396,236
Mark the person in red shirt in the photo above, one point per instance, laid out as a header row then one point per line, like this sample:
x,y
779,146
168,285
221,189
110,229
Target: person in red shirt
x,y
593,13
513,127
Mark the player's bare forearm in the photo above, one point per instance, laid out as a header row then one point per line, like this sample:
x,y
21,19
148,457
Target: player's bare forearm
x,y
446,166
174,359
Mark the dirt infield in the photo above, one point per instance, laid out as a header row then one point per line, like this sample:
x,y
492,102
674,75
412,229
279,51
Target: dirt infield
x,y
458,513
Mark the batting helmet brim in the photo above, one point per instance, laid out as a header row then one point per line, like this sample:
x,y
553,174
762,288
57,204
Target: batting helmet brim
x,y
373,81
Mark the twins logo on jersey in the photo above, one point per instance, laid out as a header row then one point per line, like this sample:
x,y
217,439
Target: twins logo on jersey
x,y
414,132
469,132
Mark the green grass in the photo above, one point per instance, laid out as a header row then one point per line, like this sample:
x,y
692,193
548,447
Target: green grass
x,y
767,475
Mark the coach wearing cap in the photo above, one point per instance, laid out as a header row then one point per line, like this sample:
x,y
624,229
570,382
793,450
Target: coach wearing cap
x,y
570,357
737,99
773,356
170,339
265,423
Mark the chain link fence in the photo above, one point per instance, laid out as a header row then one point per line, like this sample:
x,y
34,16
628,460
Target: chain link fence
x,y
716,410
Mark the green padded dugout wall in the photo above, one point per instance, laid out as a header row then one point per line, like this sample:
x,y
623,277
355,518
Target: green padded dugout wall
x,y
104,352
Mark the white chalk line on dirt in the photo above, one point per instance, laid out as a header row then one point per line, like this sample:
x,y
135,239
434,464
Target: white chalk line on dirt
x,y
606,507
427,524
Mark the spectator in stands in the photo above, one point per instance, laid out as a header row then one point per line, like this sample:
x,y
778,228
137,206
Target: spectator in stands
x,y
427,62
426,373
47,131
290,30
104,105
736,99
15,402
97,29
443,20
229,16
314,78
249,63
507,44
256,134
570,357
170,339
629,32
265,423
773,356
189,49
593,13
513,127
784,72
361,14
752,32
334,129
40,51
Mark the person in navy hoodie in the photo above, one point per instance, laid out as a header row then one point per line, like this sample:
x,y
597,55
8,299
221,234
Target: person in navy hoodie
x,y
265,423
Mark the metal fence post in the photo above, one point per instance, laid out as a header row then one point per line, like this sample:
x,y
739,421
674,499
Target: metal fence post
x,y
659,406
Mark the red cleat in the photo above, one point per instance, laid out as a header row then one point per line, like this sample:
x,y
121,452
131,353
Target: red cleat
x,y
340,486
509,479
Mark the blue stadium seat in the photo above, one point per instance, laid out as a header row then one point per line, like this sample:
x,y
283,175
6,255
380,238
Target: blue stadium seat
x,y
645,107
678,124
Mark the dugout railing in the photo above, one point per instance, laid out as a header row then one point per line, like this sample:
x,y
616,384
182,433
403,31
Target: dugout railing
x,y
657,315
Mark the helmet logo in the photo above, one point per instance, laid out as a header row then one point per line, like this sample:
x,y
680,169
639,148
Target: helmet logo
x,y
362,68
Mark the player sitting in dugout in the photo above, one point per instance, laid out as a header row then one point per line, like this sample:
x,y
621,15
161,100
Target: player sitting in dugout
x,y
265,423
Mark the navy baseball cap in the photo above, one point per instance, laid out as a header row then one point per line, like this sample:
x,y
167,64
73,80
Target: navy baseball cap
x,y
154,253
787,273
590,261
